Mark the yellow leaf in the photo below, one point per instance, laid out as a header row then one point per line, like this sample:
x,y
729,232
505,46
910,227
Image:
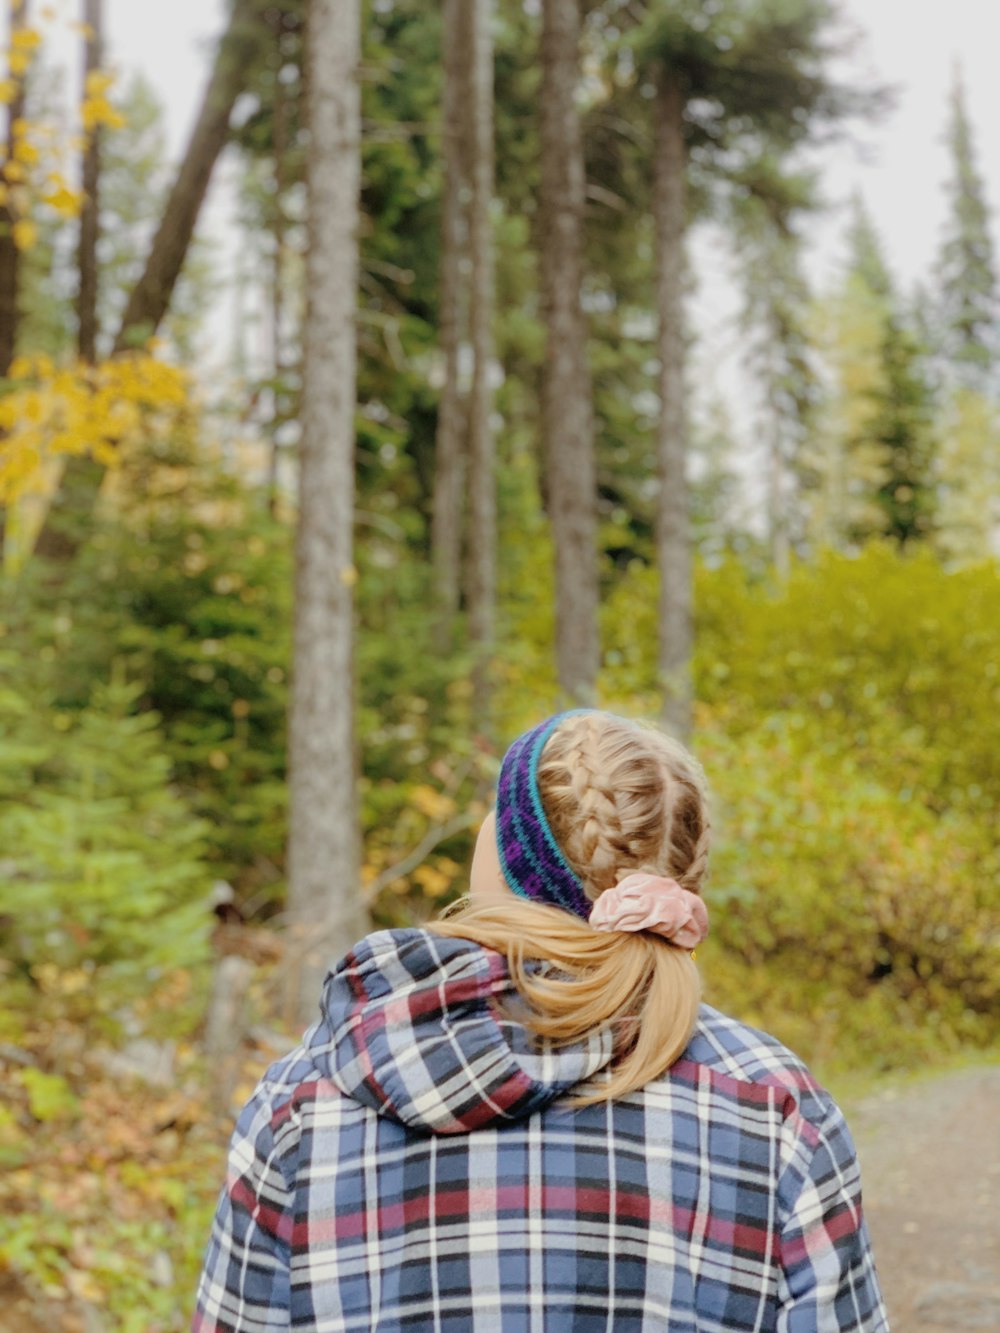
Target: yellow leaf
x,y
25,39
26,152
8,91
14,171
67,203
98,82
432,881
25,234
432,803
18,62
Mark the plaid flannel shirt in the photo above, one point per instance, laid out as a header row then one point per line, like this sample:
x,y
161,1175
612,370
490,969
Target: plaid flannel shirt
x,y
413,1166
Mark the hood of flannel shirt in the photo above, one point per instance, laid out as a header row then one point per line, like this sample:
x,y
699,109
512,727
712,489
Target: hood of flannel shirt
x,y
410,1028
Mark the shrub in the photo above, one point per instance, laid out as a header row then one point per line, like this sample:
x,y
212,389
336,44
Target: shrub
x,y
102,870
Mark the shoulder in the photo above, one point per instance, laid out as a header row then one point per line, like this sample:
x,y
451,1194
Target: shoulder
x,y
754,1060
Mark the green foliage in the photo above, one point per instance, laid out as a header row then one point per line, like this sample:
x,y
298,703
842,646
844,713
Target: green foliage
x,y
198,616
102,871
847,917
848,722
872,469
49,1095
967,270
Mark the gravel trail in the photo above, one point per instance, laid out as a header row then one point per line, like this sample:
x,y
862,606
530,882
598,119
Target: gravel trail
x,y
930,1165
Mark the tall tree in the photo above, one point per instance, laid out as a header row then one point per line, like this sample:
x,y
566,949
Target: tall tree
x,y
86,303
673,525
149,299
567,411
778,351
728,82
9,251
873,465
482,565
324,904
967,268
450,454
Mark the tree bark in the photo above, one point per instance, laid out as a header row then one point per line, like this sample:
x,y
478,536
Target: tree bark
x,y
324,902
482,447
70,509
673,535
279,403
10,260
86,302
450,463
149,299
567,412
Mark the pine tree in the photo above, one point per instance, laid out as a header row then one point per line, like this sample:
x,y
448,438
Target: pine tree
x,y
968,348
873,465
778,350
970,301
726,82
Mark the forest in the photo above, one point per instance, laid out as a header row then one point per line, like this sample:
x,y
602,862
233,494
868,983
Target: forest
x,y
459,474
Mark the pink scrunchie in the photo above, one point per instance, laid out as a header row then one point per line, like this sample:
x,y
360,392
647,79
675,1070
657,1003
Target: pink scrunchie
x,y
656,904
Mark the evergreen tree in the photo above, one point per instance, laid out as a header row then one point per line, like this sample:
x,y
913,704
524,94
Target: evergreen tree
x,y
873,467
724,84
970,302
778,350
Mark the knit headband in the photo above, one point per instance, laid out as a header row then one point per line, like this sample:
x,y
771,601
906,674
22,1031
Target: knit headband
x,y
532,863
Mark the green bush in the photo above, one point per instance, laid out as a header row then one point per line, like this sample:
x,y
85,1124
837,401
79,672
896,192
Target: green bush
x,y
848,718
102,869
843,915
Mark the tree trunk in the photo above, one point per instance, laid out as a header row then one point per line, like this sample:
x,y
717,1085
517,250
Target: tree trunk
x,y
86,302
279,396
482,448
567,412
70,509
10,262
149,299
324,898
450,463
673,535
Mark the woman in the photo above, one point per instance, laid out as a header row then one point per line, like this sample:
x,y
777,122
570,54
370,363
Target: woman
x,y
520,1118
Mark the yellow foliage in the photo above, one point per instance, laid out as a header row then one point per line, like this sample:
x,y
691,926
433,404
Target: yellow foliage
x,y
18,63
26,152
67,202
97,111
434,804
434,882
25,39
25,234
98,82
56,412
8,91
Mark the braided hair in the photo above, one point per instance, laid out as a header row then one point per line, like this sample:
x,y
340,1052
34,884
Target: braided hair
x,y
619,797
622,797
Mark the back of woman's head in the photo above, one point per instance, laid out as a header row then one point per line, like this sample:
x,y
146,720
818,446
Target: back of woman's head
x,y
616,797
621,797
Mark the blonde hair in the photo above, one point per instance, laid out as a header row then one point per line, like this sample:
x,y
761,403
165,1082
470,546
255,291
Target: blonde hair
x,y
619,797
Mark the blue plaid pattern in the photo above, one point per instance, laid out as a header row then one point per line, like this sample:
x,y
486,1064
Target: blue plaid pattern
x,y
413,1167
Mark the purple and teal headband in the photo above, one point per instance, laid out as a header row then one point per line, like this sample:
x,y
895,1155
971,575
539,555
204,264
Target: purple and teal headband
x,y
530,859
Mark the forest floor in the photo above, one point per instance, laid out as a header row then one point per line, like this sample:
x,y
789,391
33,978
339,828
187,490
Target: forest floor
x,y
930,1165
930,1159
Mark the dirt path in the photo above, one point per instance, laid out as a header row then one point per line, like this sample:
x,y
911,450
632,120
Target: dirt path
x,y
930,1162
